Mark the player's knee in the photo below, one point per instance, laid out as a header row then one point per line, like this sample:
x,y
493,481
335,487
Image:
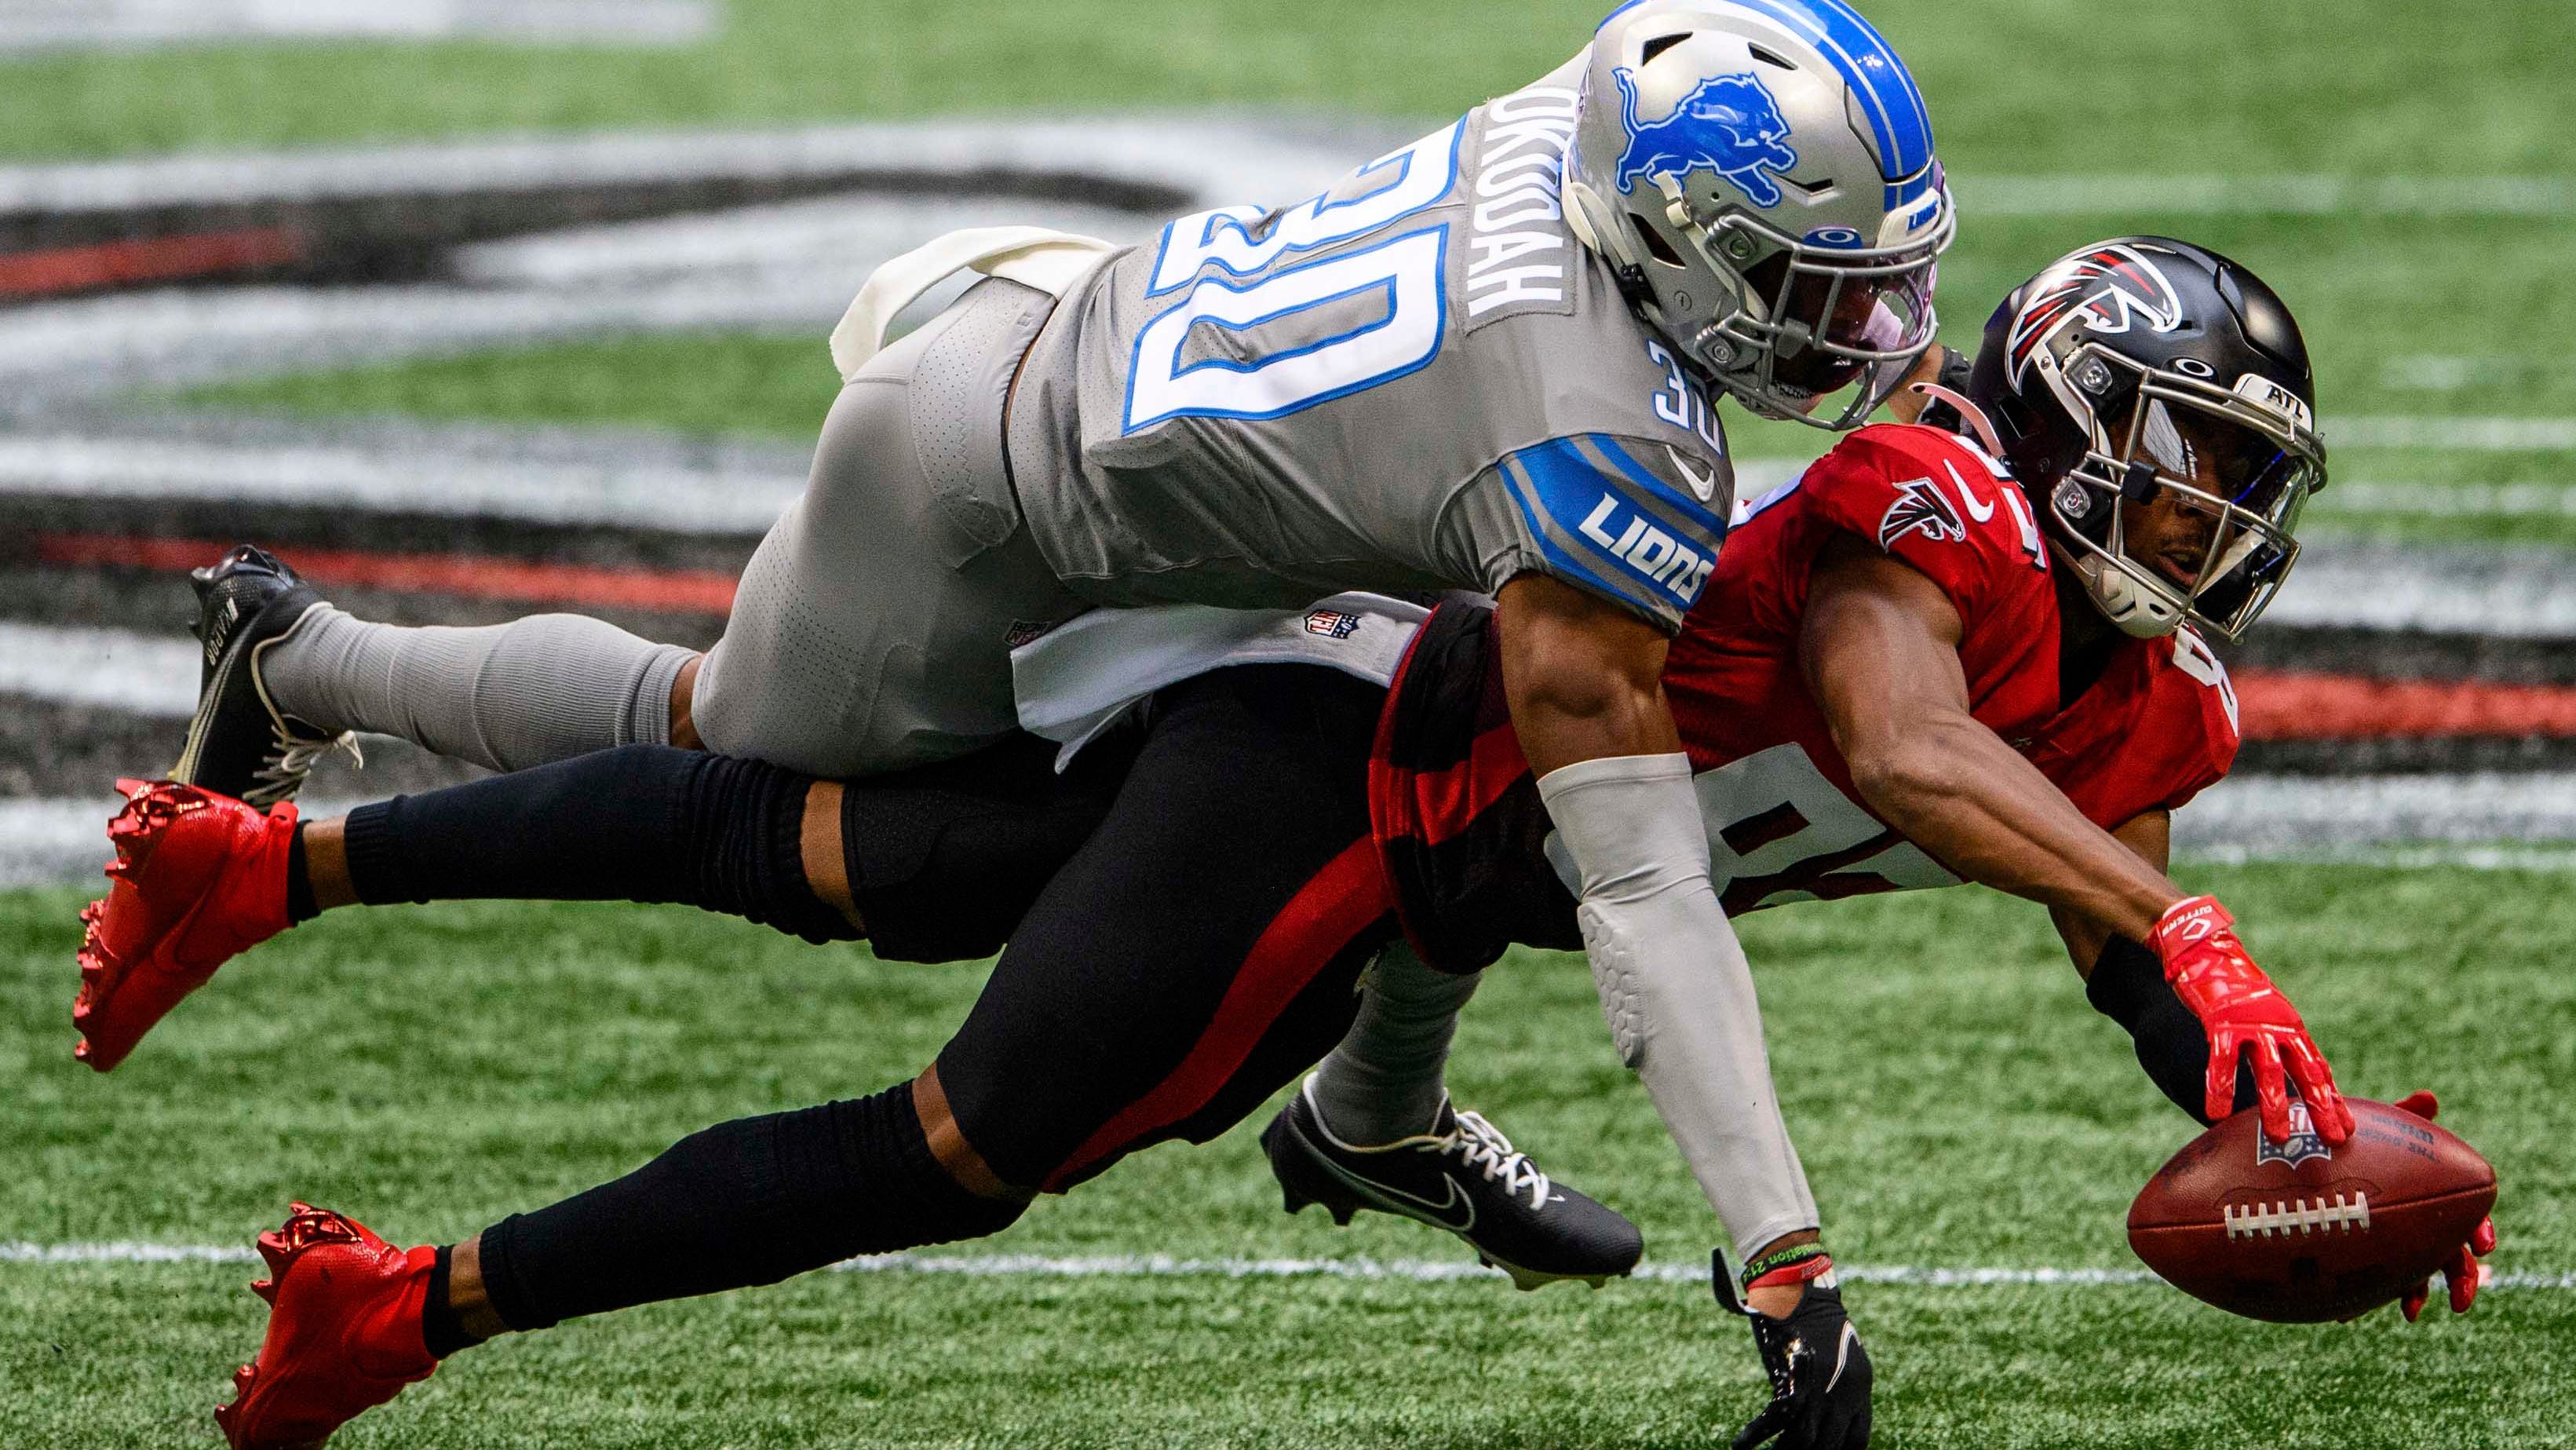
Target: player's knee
x,y
859,1177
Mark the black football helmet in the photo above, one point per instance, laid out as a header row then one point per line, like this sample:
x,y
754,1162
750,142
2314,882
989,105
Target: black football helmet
x,y
2143,365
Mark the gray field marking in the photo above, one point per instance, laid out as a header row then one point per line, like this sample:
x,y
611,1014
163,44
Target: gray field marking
x,y
2447,500
2295,816
2276,195
35,26
2524,592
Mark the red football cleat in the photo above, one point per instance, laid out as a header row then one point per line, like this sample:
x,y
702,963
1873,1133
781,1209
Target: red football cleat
x,y
199,878
343,1332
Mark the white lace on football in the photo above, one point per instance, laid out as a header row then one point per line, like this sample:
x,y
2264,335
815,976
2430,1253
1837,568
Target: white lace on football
x,y
2296,1216
1482,1146
283,772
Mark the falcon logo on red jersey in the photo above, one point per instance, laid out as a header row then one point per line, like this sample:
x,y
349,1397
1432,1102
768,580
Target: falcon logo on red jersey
x,y
2110,287
1920,508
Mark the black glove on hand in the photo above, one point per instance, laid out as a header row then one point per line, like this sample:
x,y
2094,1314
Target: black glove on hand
x,y
1820,1375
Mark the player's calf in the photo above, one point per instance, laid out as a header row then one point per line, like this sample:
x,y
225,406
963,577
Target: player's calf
x,y
1464,1176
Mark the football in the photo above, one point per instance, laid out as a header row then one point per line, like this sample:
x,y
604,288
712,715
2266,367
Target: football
x,y
2297,1232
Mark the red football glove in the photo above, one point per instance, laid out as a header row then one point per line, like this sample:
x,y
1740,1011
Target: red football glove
x,y
2463,1274
2241,1008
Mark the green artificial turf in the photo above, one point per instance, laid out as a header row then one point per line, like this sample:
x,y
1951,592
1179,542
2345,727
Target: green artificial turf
x,y
2183,87
429,1069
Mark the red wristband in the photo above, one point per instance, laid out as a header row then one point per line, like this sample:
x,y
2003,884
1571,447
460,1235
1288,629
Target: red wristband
x,y
1798,1273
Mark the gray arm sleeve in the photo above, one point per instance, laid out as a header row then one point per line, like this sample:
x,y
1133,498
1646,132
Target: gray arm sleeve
x,y
1675,985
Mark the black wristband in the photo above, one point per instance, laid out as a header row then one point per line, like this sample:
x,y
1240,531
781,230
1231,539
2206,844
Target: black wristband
x,y
2128,986
299,879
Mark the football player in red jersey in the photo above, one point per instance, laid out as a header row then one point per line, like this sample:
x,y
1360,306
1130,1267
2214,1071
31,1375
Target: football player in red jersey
x,y
1931,659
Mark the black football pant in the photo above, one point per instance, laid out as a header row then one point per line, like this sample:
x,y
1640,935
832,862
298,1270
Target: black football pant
x,y
1191,913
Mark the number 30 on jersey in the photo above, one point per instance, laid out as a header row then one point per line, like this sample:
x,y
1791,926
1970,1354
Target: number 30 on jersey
x,y
1328,328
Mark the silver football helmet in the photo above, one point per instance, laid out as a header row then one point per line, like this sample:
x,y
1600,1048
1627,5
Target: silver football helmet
x,y
1760,173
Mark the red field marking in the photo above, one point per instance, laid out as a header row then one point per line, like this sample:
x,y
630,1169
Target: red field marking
x,y
146,259
2298,705
677,591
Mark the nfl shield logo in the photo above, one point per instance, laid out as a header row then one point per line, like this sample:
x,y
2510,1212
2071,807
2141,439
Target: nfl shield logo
x,y
1331,623
2303,1143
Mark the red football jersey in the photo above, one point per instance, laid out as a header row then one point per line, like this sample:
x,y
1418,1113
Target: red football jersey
x,y
1784,822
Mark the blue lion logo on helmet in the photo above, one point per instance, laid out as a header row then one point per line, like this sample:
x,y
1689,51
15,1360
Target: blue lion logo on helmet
x,y
1730,125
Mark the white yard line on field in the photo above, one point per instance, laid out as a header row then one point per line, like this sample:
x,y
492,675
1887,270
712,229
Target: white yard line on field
x,y
2404,858
141,674
1211,158
1164,1266
53,842
78,25
2453,434
647,492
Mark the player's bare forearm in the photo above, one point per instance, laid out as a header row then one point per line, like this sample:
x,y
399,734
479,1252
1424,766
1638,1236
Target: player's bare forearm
x,y
2149,835
1880,651
1584,677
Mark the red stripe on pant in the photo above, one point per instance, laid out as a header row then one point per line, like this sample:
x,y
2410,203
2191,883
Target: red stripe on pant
x,y
1344,899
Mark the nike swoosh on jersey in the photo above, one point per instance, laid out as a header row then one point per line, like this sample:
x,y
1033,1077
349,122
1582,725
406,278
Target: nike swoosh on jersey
x,y
1980,511
1705,485
1456,1213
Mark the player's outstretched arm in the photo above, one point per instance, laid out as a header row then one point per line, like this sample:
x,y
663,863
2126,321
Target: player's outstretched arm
x,y
1584,681
1880,650
2125,981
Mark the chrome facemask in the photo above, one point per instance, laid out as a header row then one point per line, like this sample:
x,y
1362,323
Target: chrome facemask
x,y
1770,346
2179,430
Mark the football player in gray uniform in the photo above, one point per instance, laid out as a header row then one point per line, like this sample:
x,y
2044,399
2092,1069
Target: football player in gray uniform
x,y
1481,362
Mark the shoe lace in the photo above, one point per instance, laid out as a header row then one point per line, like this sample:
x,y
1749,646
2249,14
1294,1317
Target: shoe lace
x,y
292,758
1480,1145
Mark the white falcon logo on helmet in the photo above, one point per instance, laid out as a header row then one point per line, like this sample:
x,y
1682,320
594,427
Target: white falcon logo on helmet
x,y
2113,288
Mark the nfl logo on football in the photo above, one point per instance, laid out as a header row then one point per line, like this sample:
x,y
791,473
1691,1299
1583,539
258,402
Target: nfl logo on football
x,y
2302,1144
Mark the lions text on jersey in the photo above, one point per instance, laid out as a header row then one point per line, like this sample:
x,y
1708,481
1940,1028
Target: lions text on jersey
x,y
1458,815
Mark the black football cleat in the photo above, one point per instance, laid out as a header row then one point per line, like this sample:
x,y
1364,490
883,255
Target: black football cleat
x,y
1463,1176
239,743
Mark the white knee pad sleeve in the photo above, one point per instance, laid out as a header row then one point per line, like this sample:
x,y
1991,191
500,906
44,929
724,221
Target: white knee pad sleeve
x,y
1675,987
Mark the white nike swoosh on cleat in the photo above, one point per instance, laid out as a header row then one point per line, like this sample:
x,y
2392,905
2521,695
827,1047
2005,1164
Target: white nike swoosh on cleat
x,y
1437,1214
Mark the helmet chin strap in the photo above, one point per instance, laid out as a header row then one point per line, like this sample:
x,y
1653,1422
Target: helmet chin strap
x,y
1969,413
2132,608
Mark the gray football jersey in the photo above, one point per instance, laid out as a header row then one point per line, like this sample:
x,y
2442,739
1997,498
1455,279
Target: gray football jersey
x,y
1419,380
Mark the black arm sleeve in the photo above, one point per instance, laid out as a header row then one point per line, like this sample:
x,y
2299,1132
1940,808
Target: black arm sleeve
x,y
2128,986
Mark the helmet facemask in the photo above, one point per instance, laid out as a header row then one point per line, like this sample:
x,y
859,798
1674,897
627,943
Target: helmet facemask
x,y
1805,319
2164,438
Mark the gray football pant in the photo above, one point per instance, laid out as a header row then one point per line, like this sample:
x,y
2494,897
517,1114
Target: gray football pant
x,y
870,631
